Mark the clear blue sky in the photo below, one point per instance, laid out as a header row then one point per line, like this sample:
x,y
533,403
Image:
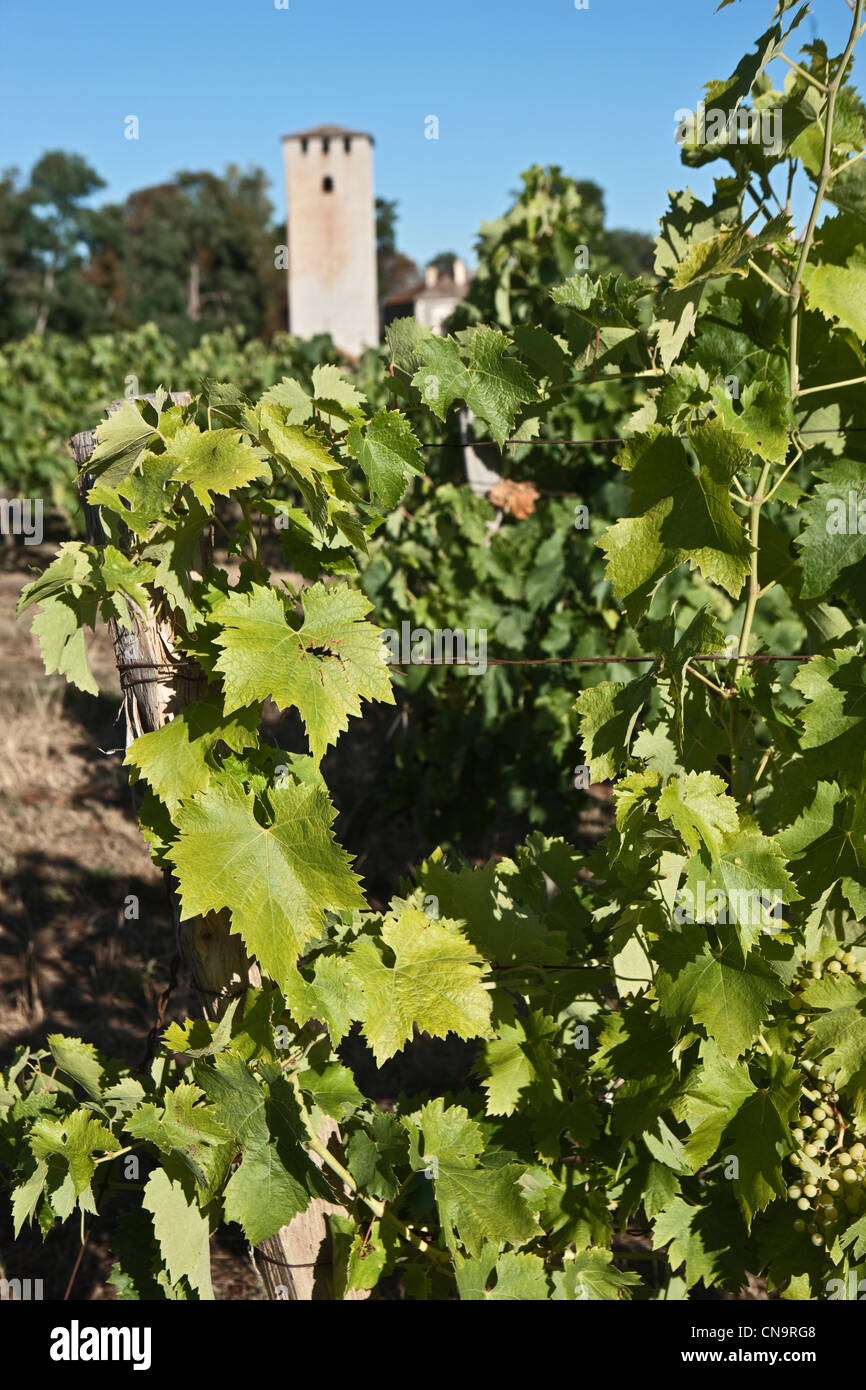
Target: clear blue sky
x,y
512,82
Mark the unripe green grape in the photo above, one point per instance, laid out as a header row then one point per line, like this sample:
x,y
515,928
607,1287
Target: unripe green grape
x,y
852,1203
800,1019
857,1152
810,1190
826,1088
817,1239
795,1160
848,1174
794,1192
822,1133
843,1159
798,1135
812,1150
818,1114
799,1224
847,958
807,1122
804,1204
839,953
831,1212
817,971
833,1184
834,967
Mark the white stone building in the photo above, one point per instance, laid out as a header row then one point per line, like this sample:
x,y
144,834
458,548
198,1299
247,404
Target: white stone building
x,y
432,301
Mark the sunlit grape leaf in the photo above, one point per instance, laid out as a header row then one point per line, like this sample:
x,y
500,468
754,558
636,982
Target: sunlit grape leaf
x,y
434,983
182,1230
277,880
475,1203
324,668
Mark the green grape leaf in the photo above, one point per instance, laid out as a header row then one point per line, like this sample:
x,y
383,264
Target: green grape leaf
x,y
359,1256
591,1278
475,1203
335,395
277,880
186,1128
758,1139
73,1140
388,452
333,1089
216,462
434,983
509,1070
702,637
679,1227
700,810
834,719
833,540
699,985
183,1232
748,873
836,1037
324,668
177,760
678,515
80,1061
607,715
764,419
262,1195
492,385
290,394
403,337
520,1278
334,996
714,1093
59,630
26,1197
121,440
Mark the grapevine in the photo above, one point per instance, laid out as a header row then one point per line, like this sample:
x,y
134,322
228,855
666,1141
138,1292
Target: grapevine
x,y
667,1028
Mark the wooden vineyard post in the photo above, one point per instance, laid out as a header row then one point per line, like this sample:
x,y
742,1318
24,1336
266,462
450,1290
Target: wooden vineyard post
x,y
157,684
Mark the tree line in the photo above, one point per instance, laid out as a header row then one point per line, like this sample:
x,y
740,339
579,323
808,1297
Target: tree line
x,y
195,254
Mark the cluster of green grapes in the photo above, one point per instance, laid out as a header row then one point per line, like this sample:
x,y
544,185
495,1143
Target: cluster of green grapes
x,y
832,1179
840,962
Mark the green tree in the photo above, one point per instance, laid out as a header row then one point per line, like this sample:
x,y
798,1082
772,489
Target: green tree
x,y
46,227
396,271
554,227
196,255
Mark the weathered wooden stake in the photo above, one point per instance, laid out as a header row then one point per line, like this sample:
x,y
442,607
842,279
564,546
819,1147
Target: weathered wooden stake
x,y
156,686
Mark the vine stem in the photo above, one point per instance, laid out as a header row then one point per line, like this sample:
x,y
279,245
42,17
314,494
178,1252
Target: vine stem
x,y
834,385
803,73
760,494
823,180
378,1208
754,585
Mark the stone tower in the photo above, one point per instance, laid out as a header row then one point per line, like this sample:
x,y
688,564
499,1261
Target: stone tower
x,y
332,236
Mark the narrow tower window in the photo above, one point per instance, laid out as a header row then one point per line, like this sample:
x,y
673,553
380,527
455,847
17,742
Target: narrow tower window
x,y
347,144
327,184
304,144
326,146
